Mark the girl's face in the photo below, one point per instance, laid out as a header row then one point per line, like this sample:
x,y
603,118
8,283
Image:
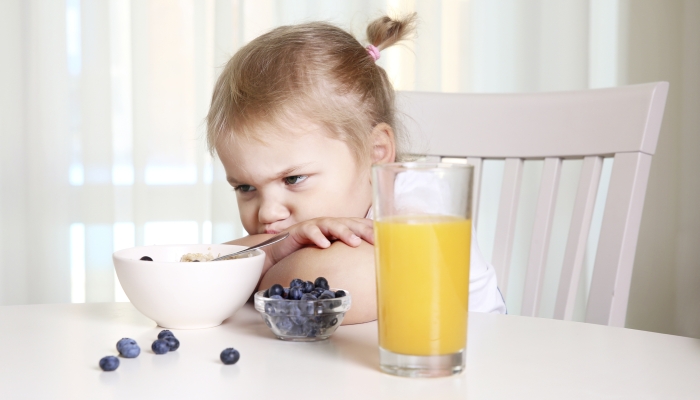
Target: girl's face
x,y
295,176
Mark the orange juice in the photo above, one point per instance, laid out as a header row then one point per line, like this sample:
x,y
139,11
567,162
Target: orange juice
x,y
423,283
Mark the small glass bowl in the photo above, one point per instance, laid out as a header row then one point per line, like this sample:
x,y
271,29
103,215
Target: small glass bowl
x,y
302,320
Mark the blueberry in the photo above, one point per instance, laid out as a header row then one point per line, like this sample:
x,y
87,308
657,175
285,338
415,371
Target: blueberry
x,y
285,294
321,282
307,304
276,289
295,314
131,352
173,343
296,283
334,321
266,293
325,296
144,258
109,363
308,297
310,328
162,334
128,348
125,342
284,324
160,346
317,292
275,307
307,287
340,293
230,356
282,307
295,293
329,293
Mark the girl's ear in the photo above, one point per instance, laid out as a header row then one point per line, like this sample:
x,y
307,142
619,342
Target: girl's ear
x,y
383,144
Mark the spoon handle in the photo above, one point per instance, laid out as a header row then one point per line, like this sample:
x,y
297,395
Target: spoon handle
x,y
268,242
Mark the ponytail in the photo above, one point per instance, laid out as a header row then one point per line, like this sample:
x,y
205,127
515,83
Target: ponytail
x,y
385,31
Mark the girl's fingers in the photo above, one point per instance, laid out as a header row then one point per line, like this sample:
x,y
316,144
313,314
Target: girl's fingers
x,y
350,232
314,234
363,228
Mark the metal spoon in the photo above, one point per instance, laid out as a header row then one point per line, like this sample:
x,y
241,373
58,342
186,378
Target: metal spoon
x,y
268,242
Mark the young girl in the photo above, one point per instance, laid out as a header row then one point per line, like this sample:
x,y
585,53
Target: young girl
x,y
298,117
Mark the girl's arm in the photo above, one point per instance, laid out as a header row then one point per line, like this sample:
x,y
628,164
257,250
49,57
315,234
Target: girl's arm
x,y
317,232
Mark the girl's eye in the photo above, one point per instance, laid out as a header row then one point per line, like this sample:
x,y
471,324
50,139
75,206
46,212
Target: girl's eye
x,y
244,188
293,180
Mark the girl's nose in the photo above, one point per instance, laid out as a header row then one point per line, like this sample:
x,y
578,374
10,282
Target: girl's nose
x,y
272,211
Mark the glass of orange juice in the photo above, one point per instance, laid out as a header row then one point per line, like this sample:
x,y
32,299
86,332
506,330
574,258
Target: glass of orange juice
x,y
422,214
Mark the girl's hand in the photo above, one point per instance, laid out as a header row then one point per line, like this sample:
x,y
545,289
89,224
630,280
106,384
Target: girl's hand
x,y
320,232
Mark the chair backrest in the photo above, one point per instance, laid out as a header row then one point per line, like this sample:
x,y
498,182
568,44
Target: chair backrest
x,y
622,122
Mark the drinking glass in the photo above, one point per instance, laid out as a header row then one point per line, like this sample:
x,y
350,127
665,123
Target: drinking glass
x,y
422,225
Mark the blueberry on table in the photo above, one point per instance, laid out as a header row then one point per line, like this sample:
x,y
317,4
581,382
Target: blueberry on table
x,y
165,333
128,348
296,283
173,343
321,282
295,293
307,287
146,258
230,356
109,363
160,346
125,342
340,293
276,289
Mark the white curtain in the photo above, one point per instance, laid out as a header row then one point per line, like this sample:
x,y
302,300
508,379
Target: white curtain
x,y
102,137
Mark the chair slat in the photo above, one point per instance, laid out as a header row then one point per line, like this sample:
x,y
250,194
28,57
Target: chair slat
x,y
578,237
505,222
541,233
476,188
612,274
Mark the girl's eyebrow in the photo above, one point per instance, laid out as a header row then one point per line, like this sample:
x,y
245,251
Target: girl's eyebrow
x,y
290,171
283,174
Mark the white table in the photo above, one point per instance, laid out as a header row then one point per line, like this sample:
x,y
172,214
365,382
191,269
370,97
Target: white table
x,y
52,351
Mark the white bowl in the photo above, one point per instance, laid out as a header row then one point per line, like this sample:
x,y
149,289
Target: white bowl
x,y
187,295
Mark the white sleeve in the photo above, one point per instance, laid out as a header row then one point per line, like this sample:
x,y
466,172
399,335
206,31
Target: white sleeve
x,y
484,295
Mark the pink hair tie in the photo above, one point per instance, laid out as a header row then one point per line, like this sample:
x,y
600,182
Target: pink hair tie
x,y
373,51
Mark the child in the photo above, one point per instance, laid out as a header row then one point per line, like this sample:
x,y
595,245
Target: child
x,y
298,117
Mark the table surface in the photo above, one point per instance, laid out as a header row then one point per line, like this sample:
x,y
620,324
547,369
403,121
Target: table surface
x,y
52,351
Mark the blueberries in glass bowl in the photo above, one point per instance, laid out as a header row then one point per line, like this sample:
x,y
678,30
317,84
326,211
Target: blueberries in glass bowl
x,y
309,313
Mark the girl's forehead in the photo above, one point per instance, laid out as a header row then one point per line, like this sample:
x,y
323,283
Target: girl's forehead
x,y
248,158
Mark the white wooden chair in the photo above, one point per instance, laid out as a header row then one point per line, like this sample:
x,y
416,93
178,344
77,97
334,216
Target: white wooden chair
x,y
622,122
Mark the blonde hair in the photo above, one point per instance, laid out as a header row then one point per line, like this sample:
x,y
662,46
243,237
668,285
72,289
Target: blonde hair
x,y
313,70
